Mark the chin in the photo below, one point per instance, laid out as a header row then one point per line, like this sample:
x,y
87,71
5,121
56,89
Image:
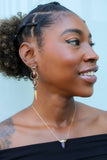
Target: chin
x,y
85,93
88,95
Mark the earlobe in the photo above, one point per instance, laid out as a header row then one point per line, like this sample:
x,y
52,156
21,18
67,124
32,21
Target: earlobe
x,y
26,52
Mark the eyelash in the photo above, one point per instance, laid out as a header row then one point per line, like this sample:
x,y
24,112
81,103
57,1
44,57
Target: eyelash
x,y
77,42
92,44
74,42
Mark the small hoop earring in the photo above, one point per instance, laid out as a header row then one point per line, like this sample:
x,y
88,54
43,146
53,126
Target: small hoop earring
x,y
34,77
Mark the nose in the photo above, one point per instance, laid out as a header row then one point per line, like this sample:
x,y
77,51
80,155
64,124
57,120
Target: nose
x,y
90,54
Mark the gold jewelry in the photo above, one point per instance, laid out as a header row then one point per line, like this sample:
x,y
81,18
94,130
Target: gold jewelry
x,y
34,78
63,141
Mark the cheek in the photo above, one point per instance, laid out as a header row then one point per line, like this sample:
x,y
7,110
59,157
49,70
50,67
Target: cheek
x,y
58,64
61,54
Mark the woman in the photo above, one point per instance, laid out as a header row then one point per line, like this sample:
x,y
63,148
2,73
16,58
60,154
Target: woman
x,y
52,47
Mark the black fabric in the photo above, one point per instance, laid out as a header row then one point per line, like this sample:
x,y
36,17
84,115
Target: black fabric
x,y
84,148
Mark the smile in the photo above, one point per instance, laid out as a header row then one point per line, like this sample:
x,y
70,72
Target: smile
x,y
91,73
88,75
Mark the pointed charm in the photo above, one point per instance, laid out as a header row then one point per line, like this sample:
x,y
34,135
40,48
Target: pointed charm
x,y
36,94
63,143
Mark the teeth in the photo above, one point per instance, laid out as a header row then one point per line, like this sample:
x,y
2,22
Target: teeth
x,y
88,73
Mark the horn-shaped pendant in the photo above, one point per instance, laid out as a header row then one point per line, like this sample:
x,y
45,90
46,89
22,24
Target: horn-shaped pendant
x,y
63,141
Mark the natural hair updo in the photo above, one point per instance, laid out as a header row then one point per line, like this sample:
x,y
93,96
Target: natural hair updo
x,y
13,33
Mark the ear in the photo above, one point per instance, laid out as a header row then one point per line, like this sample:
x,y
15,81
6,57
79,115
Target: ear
x,y
27,54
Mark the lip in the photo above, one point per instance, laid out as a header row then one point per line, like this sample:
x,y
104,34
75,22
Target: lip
x,y
95,69
89,78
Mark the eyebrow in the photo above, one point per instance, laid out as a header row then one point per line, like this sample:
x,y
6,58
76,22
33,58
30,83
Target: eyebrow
x,y
78,31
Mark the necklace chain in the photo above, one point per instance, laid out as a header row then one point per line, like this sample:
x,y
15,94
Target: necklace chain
x,y
44,122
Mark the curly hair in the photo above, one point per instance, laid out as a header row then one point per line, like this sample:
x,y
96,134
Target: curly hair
x,y
13,32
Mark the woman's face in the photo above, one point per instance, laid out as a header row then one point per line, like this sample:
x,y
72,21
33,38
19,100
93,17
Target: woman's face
x,y
67,61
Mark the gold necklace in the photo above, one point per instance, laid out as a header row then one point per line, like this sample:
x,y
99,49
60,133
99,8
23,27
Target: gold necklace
x,y
63,141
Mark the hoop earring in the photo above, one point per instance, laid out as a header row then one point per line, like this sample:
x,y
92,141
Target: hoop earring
x,y
34,77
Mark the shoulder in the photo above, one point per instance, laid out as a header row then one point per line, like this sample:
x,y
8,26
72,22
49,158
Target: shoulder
x,y
16,129
103,120
89,110
95,118
6,131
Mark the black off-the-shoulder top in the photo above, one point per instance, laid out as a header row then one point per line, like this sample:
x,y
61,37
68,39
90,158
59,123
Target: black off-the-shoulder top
x,y
83,148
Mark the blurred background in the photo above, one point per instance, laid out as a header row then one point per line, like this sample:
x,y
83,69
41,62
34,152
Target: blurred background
x,y
17,95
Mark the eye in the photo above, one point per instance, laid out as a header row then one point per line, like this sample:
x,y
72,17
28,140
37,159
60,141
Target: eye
x,y
92,44
74,42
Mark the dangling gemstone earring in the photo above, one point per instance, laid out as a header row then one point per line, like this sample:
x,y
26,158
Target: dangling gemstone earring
x,y
34,78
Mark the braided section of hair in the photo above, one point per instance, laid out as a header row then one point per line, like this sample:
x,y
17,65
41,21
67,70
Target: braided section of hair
x,y
10,62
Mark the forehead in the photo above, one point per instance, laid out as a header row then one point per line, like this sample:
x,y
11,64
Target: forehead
x,y
67,20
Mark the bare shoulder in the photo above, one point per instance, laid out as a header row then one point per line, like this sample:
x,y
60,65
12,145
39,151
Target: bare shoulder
x,y
95,118
6,131
9,128
103,119
23,118
91,110
18,130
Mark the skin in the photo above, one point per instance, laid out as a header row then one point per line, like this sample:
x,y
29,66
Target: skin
x,y
59,64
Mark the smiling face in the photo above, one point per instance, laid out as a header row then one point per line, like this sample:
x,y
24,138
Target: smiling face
x,y
67,57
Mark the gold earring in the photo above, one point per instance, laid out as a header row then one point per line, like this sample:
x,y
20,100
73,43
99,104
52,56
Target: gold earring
x,y
34,78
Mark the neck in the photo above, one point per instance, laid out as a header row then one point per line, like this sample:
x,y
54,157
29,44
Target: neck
x,y
55,109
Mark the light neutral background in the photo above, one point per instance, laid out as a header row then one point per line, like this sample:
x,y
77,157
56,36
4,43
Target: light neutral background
x,y
17,95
